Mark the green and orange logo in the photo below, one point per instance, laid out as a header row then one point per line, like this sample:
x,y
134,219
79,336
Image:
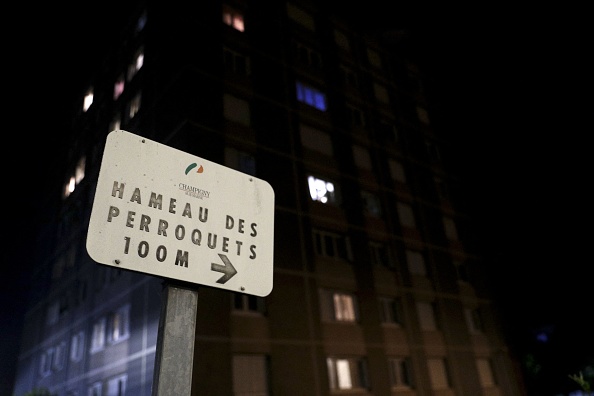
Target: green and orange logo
x,y
194,165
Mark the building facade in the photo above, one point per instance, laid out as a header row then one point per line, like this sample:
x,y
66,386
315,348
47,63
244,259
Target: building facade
x,y
378,289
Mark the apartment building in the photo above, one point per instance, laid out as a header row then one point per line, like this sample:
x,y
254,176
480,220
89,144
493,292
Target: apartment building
x,y
378,289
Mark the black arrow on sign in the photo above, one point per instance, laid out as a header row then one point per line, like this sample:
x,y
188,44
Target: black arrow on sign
x,y
227,268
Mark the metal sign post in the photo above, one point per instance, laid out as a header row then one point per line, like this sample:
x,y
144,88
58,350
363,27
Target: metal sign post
x,y
175,343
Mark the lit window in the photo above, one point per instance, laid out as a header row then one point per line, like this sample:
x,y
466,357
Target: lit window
x,y
136,65
438,374
79,172
98,337
310,96
450,228
406,215
134,106
88,100
236,109
250,375
485,371
379,254
400,373
316,140
233,18
390,310
426,314
118,87
416,263
321,190
347,373
117,386
332,245
115,124
141,22
248,303
371,204
77,345
119,323
338,306
301,17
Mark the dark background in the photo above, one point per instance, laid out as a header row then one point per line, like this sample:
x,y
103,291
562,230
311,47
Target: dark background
x,y
506,83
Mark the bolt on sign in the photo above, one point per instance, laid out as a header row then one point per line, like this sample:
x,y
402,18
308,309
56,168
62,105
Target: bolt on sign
x,y
164,212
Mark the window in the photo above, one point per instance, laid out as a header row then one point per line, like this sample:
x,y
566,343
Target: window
x,y
250,375
348,77
388,131
462,271
77,345
119,324
438,374
88,100
300,16
98,337
316,140
118,87
136,64
347,373
381,93
310,96
473,320
134,105
362,157
236,110
342,40
400,373
248,303
59,356
45,364
371,204
117,386
450,228
53,313
426,313
236,62
397,171
485,371
355,116
379,254
390,310
442,188
234,18
332,245
416,263
95,389
76,178
423,115
338,306
240,160
374,58
322,190
115,123
406,215
432,150
307,56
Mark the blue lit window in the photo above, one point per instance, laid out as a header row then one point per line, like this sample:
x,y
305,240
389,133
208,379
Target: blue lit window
x,y
311,96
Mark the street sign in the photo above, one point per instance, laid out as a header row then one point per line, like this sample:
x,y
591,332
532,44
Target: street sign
x,y
165,212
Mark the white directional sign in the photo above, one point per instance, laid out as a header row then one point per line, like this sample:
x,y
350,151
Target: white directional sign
x,y
164,212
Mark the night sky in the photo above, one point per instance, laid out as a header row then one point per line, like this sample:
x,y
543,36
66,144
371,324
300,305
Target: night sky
x,y
505,82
